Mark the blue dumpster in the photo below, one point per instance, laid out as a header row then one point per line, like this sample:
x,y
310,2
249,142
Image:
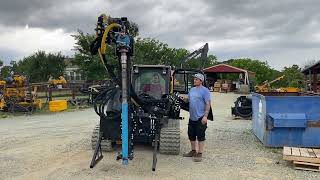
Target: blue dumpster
x,y
280,121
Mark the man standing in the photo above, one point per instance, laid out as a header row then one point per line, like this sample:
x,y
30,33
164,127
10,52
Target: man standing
x,y
199,106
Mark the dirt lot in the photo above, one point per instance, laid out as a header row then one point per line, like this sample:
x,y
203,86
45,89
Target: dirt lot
x,y
57,146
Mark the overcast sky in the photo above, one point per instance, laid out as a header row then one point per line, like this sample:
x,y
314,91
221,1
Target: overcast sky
x,y
282,32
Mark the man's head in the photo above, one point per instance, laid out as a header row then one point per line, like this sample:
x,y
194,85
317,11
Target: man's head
x,y
155,79
198,79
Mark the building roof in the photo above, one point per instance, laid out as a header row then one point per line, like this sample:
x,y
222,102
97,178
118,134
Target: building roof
x,y
315,66
225,68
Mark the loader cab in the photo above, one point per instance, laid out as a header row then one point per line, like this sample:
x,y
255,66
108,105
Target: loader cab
x,y
152,80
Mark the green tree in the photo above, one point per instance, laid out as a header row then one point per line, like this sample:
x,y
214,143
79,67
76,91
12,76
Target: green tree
x,y
293,76
13,65
90,66
39,66
151,51
261,68
133,29
198,62
5,71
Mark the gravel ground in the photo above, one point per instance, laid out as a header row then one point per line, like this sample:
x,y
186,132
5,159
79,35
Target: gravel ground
x,y
57,146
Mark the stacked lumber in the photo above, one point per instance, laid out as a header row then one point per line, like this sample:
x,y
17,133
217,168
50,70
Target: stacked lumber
x,y
217,85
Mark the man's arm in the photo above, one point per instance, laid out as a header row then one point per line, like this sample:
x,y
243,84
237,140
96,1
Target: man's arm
x,y
207,98
207,109
206,113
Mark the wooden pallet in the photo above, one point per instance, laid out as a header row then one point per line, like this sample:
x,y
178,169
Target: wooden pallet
x,y
303,158
306,166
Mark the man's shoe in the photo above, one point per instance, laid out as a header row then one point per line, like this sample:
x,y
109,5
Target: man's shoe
x,y
190,154
197,157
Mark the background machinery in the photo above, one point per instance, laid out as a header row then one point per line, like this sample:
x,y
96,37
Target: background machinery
x,y
56,82
183,77
265,87
202,51
243,104
17,95
242,107
139,105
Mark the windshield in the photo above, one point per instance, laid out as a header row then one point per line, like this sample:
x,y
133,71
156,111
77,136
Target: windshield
x,y
151,83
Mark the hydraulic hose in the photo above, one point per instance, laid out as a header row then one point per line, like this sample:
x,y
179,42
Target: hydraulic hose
x,y
105,36
101,101
102,50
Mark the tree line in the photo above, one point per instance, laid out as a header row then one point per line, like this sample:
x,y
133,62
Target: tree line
x,y
40,65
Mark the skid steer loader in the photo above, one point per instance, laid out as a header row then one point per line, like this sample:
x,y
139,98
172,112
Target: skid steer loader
x,y
141,105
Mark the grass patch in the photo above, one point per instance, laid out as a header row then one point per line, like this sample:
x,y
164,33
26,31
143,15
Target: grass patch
x,y
275,150
248,132
44,110
71,108
3,115
260,145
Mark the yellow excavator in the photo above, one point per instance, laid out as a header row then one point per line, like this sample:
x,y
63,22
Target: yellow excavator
x,y
16,95
265,87
54,82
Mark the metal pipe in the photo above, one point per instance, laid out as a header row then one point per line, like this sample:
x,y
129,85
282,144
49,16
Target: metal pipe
x,y
124,114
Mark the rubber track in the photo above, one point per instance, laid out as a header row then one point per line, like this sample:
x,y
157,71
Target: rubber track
x,y
170,138
105,144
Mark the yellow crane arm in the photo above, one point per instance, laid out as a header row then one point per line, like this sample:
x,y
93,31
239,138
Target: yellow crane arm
x,y
264,86
275,80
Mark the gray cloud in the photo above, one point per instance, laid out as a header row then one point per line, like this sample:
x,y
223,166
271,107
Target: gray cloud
x,y
268,30
7,55
17,12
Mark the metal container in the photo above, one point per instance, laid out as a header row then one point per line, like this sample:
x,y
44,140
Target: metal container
x,y
286,120
58,105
